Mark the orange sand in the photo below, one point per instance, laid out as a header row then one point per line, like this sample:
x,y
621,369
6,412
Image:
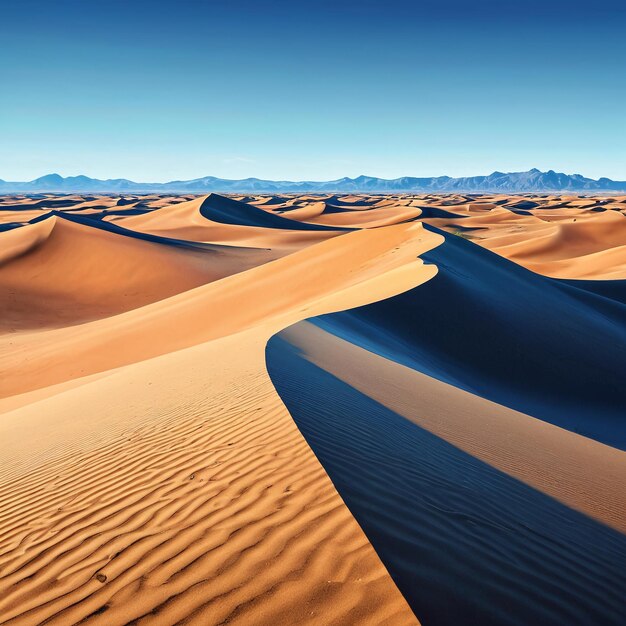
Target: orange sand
x,y
151,474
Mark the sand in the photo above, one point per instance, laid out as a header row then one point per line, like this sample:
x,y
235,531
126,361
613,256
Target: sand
x,y
179,488
182,477
575,470
152,473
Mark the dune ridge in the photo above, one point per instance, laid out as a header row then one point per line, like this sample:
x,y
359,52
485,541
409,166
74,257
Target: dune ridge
x,y
59,271
577,471
214,310
188,493
499,331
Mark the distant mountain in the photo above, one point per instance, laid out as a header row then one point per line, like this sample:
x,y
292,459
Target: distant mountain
x,y
511,182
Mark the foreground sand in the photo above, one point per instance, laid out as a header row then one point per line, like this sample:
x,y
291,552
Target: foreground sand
x,y
178,487
150,472
185,492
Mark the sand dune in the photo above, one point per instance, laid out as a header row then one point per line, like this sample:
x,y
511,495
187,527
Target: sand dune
x,y
57,272
451,436
465,540
565,240
203,219
499,331
275,291
187,494
575,470
192,555
373,218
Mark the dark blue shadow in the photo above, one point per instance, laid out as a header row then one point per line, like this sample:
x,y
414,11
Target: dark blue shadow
x,y
464,542
544,347
228,211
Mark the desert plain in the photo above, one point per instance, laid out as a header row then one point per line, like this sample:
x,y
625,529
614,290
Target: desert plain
x,y
323,409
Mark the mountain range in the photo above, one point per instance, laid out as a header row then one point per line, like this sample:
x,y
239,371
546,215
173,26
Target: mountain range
x,y
533,180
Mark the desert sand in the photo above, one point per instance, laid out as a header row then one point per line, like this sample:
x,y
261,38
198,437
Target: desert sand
x,y
312,409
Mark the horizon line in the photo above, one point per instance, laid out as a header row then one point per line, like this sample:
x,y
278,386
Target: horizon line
x,y
309,180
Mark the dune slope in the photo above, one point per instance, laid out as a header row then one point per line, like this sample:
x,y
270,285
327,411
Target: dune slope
x,y
63,270
451,489
176,486
493,328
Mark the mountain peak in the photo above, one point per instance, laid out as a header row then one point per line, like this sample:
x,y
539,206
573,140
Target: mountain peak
x,y
51,177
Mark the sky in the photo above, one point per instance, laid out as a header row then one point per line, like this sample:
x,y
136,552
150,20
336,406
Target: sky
x,y
311,90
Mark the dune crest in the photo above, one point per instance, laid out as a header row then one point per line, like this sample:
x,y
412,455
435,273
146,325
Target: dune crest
x,y
188,489
58,272
272,292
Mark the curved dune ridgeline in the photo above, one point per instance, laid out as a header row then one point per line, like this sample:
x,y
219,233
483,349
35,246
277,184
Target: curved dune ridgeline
x,y
411,412
441,442
151,473
493,328
224,220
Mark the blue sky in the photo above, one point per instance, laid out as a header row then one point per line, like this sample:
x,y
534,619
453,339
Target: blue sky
x,y
160,90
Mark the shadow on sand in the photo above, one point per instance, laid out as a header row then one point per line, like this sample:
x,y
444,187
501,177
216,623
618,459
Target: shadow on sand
x,y
464,542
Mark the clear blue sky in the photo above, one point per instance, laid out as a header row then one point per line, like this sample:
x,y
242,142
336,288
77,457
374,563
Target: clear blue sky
x,y
166,90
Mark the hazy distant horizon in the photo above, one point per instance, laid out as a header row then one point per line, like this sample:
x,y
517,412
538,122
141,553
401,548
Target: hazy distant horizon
x,y
153,180
531,181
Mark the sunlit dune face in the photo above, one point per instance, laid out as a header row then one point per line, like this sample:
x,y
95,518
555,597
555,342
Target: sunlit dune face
x,y
142,426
